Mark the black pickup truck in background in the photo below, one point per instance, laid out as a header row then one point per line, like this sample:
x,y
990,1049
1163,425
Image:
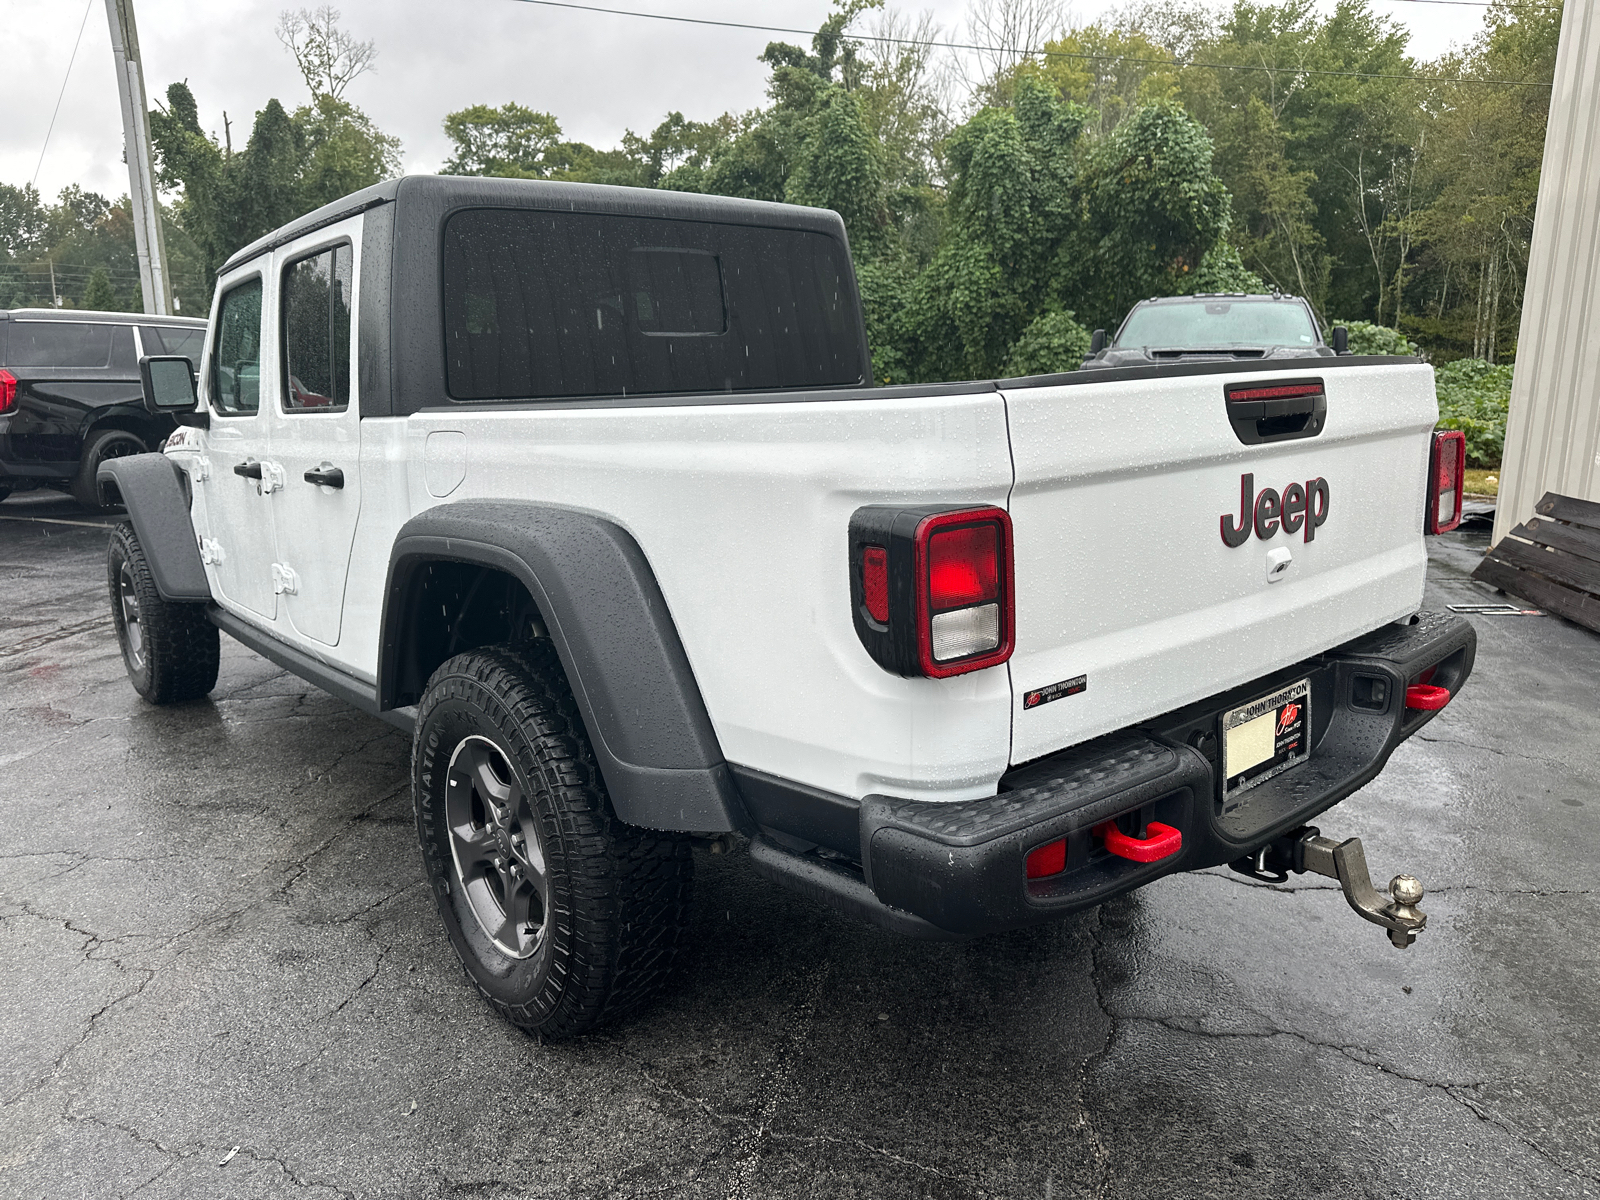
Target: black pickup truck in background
x,y
70,396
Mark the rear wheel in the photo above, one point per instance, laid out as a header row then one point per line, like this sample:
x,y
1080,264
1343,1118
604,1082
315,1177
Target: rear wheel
x,y
172,651
108,443
563,916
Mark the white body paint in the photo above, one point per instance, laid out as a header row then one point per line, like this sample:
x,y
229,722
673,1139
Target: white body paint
x,y
1116,491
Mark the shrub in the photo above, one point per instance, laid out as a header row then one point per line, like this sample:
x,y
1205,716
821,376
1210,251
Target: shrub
x,y
1474,397
1053,342
1367,338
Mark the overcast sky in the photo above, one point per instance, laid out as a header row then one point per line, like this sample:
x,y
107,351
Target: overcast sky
x,y
598,74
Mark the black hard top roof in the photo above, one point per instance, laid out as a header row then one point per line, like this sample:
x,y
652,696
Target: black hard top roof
x,y
448,192
95,316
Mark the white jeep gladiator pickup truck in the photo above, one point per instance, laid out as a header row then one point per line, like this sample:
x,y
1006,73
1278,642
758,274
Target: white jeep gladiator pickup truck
x,y
590,489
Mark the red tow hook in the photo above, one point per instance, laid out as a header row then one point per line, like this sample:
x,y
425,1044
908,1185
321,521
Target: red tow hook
x,y
1426,697
1160,841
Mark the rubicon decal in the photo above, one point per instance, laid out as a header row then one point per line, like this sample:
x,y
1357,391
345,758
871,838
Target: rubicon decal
x,y
1300,506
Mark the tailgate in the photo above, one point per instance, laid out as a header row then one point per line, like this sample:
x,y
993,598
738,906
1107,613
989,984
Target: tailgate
x,y
1130,603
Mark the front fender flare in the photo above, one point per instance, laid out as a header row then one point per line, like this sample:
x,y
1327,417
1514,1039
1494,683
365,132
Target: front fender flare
x,y
154,496
616,640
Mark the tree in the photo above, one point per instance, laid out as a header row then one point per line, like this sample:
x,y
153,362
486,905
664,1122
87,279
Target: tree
x,y
510,141
100,295
344,151
1153,211
1110,69
1478,179
329,58
289,166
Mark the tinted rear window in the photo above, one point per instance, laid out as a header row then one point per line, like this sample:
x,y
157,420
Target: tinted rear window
x,y
59,344
551,305
174,339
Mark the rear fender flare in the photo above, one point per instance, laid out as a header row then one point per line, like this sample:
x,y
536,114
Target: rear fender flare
x,y
616,640
152,491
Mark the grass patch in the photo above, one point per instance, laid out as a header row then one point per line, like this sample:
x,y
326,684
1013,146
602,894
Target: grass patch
x,y
1482,483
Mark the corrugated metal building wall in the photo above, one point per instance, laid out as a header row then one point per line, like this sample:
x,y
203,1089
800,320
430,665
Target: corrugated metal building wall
x,y
1553,436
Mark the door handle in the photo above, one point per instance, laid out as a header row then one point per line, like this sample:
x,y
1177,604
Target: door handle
x,y
249,469
325,474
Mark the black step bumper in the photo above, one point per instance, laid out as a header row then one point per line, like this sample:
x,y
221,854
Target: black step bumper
x,y
942,869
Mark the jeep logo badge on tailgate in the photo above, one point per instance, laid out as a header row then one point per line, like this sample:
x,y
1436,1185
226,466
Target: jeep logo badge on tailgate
x,y
1300,506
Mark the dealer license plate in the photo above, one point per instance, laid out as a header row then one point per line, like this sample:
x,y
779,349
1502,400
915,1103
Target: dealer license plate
x,y
1265,738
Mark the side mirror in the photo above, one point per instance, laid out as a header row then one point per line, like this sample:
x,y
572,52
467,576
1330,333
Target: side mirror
x,y
168,384
1097,341
1339,337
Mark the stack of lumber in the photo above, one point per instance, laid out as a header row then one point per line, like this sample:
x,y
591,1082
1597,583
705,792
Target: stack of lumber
x,y
1552,559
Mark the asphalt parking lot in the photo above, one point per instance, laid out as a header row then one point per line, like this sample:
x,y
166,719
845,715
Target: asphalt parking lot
x,y
224,978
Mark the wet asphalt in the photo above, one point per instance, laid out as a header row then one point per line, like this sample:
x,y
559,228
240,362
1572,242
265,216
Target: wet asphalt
x,y
221,975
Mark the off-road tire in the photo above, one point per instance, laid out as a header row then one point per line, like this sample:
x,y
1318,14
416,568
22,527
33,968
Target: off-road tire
x,y
172,651
617,896
97,447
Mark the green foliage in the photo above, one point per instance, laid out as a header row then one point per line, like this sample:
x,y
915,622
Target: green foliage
x,y
510,141
1153,210
1053,342
1367,338
289,166
1474,397
86,242
346,151
100,294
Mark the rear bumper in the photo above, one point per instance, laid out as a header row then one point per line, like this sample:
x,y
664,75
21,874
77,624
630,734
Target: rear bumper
x,y
942,869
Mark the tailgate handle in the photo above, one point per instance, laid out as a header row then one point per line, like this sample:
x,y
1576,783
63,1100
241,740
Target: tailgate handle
x,y
1263,412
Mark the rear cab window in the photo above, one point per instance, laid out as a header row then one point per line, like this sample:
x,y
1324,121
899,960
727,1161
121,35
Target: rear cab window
x,y
553,305
236,354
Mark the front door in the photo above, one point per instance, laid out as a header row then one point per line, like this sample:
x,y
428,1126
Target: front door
x,y
233,501
316,437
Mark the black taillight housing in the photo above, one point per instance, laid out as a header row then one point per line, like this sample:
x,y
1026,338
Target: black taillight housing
x,y
1447,478
931,587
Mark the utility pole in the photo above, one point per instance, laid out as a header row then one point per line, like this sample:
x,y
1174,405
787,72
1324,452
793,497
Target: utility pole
x,y
154,281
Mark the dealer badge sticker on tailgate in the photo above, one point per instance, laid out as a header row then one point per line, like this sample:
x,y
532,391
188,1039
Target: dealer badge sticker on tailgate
x,y
1265,738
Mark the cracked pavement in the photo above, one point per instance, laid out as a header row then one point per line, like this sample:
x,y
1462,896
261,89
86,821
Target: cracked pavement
x,y
224,977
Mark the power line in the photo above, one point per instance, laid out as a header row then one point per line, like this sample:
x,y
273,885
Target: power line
x,y
1115,58
60,94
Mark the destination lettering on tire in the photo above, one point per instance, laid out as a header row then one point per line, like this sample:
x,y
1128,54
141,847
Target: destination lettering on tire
x,y
1265,738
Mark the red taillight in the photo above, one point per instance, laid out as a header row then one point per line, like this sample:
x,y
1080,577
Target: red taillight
x,y
965,610
963,566
1447,468
1048,859
8,391
875,582
931,587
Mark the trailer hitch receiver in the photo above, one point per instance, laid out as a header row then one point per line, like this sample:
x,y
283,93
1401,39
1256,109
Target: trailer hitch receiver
x,y
1305,849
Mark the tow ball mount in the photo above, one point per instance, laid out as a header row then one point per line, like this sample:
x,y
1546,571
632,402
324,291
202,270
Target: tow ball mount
x,y
1305,849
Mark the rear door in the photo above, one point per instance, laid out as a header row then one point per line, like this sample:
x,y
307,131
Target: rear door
x,y
316,432
1137,594
232,502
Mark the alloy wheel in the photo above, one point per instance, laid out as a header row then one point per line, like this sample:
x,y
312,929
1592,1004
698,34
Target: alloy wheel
x,y
494,842
133,628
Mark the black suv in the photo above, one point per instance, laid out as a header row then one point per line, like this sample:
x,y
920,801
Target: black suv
x,y
70,396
